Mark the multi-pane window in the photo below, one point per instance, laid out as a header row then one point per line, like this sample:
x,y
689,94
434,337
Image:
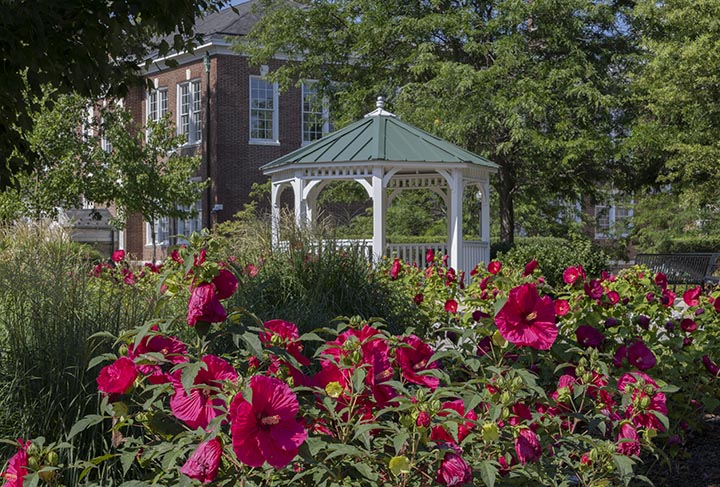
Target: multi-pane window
x,y
189,121
157,104
263,110
314,113
162,232
192,223
104,142
612,221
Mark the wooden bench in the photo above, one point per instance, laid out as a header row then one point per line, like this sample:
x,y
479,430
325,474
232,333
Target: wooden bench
x,y
701,268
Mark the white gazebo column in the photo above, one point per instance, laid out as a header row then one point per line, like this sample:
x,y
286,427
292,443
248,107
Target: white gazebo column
x,y
485,214
455,235
298,185
276,190
379,203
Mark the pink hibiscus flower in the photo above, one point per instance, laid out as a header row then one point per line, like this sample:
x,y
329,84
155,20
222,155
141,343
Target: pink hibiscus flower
x,y
172,350
205,306
530,267
573,274
527,446
589,336
266,429
628,441
201,406
526,319
118,377
118,255
429,255
413,358
494,267
284,334
451,306
562,307
710,366
640,356
225,284
692,296
203,464
440,434
646,399
395,269
16,470
454,470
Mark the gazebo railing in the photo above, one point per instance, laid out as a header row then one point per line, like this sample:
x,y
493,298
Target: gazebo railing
x,y
473,251
414,252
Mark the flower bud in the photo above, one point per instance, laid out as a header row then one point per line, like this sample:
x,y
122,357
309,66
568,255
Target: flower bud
x,y
123,350
33,463
644,402
33,450
52,458
399,465
505,397
490,432
423,420
564,394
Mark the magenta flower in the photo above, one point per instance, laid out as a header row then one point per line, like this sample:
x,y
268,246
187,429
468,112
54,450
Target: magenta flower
x,y
562,307
118,255
530,267
661,280
613,297
395,269
429,255
266,429
573,274
451,306
440,434
204,306
716,304
620,355
225,284
284,334
588,336
412,357
172,350
16,470
710,366
203,464
628,442
646,400
527,446
494,266
688,325
454,470
118,377
692,296
594,289
640,356
526,319
201,406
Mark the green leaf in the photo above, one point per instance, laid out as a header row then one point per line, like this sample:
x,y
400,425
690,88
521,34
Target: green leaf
x,y
84,424
253,342
189,372
624,465
488,473
399,440
365,471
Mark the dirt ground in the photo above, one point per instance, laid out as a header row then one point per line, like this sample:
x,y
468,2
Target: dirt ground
x,y
701,465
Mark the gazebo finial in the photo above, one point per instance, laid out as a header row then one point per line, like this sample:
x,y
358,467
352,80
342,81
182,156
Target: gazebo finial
x,y
380,108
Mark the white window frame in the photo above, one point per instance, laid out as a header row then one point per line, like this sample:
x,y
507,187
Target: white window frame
x,y
194,125
191,224
275,139
160,94
324,113
157,223
613,219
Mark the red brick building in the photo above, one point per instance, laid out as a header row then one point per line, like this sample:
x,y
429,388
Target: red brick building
x,y
232,117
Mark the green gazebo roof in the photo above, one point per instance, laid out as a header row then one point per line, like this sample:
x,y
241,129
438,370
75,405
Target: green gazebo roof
x,y
380,136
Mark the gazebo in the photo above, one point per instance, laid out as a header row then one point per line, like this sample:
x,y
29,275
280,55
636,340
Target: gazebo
x,y
386,156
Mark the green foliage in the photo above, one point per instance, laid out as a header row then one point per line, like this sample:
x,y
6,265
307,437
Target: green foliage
x,y
50,313
105,44
554,255
692,244
678,88
538,87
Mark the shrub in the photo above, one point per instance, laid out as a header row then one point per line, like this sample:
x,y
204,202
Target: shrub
x,y
688,245
555,255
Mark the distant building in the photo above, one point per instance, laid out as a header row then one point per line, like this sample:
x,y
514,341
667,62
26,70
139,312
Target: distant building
x,y
249,121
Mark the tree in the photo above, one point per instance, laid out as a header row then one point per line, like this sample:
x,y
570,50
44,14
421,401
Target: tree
x,y
536,86
108,160
679,87
95,49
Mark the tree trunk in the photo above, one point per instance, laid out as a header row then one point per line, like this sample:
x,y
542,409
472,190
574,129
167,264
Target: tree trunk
x,y
153,240
506,187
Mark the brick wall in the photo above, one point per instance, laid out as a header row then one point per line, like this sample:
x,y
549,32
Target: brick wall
x,y
235,162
